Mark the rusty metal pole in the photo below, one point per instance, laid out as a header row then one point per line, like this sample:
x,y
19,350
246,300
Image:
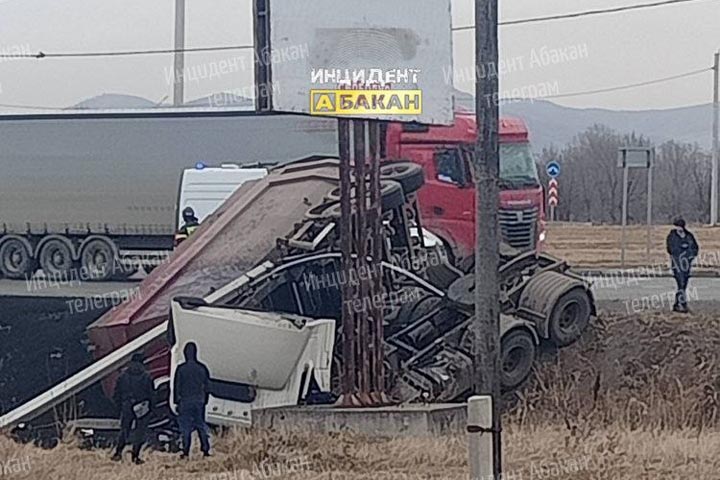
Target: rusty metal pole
x,y
361,264
349,369
375,218
486,325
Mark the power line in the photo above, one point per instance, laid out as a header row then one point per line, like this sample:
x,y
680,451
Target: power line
x,y
631,85
121,53
586,13
574,94
41,55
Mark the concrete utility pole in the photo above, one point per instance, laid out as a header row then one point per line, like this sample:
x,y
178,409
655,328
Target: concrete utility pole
x,y
179,65
716,141
486,326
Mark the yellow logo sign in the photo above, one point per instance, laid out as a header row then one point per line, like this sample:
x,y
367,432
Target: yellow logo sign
x,y
365,102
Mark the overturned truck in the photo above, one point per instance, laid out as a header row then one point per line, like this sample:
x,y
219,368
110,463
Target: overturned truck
x,y
258,289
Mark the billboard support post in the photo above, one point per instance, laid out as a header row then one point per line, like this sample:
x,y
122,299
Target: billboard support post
x,y
363,378
348,319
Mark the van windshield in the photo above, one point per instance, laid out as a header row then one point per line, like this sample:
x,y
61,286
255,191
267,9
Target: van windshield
x,y
517,166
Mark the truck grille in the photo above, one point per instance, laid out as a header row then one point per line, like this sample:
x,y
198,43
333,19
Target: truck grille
x,y
517,227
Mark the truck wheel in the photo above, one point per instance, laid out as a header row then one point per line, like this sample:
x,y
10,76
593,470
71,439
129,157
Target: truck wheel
x,y
408,174
570,317
391,192
16,261
412,311
98,259
321,211
517,356
55,259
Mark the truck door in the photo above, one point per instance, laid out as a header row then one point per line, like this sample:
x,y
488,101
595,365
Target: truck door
x,y
448,198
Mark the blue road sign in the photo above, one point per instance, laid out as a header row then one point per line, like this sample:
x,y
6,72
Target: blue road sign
x,y
553,169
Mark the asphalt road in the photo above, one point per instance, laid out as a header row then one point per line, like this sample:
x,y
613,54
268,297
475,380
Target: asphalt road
x,y
606,288
21,288
700,288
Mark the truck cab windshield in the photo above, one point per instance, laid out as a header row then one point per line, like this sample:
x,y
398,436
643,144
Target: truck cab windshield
x,y
517,166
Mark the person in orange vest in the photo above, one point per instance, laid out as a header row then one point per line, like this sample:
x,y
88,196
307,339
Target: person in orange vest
x,y
191,224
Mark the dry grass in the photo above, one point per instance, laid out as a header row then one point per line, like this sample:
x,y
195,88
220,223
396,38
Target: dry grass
x,y
652,371
636,398
587,245
542,452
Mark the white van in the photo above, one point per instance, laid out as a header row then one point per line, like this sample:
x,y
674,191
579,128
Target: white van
x,y
206,188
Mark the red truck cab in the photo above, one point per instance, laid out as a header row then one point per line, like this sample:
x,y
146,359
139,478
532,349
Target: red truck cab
x,y
447,200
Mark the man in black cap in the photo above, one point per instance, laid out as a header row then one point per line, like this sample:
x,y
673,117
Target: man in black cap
x,y
191,391
683,249
133,395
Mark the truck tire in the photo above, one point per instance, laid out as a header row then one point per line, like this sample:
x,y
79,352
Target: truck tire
x,y
56,258
391,192
517,356
408,174
16,261
98,259
411,311
570,317
321,211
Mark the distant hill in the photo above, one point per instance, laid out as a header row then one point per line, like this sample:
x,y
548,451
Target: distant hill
x,y
222,99
550,123
111,100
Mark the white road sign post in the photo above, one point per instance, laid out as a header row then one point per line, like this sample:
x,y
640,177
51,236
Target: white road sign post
x,y
636,157
553,171
553,198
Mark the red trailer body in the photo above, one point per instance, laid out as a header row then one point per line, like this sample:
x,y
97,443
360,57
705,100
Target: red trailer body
x,y
229,243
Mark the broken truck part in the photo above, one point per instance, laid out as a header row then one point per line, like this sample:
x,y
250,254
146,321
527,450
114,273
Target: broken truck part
x,y
260,253
258,359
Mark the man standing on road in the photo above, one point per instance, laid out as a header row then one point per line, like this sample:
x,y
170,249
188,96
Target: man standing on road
x,y
133,394
191,394
683,249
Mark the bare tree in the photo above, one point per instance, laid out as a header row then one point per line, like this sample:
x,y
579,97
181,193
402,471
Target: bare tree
x,y
591,183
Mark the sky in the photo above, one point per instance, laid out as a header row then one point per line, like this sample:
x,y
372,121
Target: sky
x,y
622,48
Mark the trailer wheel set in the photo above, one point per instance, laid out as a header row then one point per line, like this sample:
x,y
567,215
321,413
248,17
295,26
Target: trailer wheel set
x,y
95,258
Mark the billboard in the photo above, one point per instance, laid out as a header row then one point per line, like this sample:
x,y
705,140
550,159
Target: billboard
x,y
374,59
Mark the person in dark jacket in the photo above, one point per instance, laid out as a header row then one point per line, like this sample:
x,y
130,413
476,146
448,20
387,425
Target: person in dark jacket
x,y
133,395
191,223
191,391
683,249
